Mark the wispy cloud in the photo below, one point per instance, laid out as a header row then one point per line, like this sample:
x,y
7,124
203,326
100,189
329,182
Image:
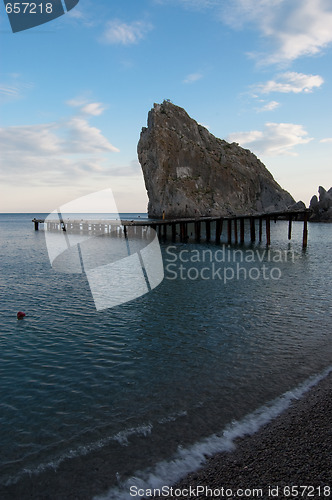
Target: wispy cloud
x,y
13,88
86,107
93,108
290,82
193,77
297,28
270,106
118,32
9,90
276,139
53,151
327,139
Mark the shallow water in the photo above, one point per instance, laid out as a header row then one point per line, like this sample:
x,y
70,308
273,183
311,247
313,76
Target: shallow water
x,y
164,371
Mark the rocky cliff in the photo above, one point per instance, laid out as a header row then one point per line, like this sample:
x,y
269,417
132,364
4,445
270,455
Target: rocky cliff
x,y
188,172
322,207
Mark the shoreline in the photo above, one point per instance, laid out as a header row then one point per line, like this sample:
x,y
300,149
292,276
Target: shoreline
x,y
292,450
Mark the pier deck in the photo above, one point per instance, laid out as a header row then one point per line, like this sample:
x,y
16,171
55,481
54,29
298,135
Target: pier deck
x,y
183,229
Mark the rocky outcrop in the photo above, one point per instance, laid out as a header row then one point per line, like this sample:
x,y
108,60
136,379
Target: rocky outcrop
x,y
322,207
188,172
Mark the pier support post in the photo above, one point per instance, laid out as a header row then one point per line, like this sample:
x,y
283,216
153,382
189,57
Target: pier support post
x,y
260,229
197,232
165,231
305,230
235,231
36,223
182,232
268,230
290,227
208,230
242,231
252,230
219,223
173,232
229,231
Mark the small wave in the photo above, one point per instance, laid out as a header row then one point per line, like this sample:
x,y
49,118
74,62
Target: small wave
x,y
121,438
173,416
191,458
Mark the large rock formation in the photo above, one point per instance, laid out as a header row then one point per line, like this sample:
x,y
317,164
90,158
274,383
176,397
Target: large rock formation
x,y
188,172
322,208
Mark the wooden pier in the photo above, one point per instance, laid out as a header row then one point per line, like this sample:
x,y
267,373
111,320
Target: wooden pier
x,y
185,229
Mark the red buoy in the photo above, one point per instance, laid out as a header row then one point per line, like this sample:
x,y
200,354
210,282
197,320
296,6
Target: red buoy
x,y
20,315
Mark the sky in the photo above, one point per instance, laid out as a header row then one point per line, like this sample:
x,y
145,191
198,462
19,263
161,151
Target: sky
x,y
75,93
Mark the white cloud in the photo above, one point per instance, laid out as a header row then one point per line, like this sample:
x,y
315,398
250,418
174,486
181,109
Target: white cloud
x,y
87,108
295,28
118,32
82,138
52,152
193,77
93,108
276,139
290,82
327,139
77,102
270,106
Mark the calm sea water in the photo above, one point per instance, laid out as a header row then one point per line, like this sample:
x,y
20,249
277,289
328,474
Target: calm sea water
x,y
151,385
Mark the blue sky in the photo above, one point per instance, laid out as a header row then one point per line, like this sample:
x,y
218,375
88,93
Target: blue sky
x,y
75,92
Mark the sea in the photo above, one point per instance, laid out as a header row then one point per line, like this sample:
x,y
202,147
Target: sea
x,y
142,393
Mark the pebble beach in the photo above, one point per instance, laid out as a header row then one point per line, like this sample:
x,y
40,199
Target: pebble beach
x,y
291,457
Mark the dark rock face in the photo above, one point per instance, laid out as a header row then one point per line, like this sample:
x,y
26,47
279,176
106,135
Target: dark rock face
x,y
322,208
188,172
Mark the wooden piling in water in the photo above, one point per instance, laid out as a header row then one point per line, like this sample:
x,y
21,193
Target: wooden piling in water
x,y
229,231
208,230
260,229
197,231
242,231
305,230
182,232
268,230
219,223
290,227
235,231
252,230
173,232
